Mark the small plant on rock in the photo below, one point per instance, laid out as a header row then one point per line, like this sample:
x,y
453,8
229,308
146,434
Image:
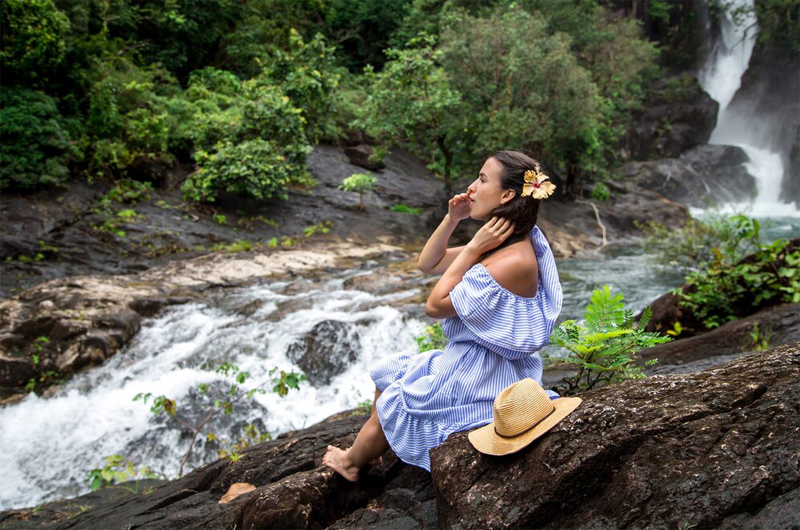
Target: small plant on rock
x,y
116,471
603,349
360,183
600,192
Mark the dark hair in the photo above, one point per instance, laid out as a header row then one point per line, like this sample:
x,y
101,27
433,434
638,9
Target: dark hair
x,y
522,211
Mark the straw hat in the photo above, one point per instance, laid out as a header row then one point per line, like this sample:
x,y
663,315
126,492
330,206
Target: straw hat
x,y
522,413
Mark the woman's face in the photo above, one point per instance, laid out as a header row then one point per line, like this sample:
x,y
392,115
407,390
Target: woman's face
x,y
486,192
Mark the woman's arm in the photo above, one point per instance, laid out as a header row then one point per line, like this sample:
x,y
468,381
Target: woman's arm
x,y
435,257
488,237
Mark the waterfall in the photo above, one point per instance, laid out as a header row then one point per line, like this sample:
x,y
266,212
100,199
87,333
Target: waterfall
x,y
721,77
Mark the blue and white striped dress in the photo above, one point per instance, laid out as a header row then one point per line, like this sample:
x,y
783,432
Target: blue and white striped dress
x,y
493,343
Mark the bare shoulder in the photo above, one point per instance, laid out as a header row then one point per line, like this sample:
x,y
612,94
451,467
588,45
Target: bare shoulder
x,y
515,271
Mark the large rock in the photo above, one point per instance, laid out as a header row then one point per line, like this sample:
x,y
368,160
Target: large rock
x,y
697,449
705,173
777,325
679,116
714,448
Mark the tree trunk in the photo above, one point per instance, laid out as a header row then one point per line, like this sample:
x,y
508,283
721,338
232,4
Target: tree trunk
x,y
448,162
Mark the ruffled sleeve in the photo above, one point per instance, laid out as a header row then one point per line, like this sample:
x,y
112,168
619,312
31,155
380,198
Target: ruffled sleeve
x,y
506,323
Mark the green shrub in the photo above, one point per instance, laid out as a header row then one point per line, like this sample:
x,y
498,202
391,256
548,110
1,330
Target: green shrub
x,y
35,148
128,115
603,349
34,41
727,290
255,168
307,75
698,242
600,192
433,338
731,272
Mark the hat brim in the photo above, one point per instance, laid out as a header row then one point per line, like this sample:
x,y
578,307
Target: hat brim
x,y
485,440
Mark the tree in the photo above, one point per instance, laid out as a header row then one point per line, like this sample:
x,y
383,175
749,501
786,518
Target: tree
x,y
360,183
34,34
522,88
411,102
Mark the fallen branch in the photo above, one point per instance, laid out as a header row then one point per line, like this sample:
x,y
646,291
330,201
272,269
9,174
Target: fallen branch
x,y
602,226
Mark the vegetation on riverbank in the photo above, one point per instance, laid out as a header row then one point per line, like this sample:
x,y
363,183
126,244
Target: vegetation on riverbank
x,y
731,272
243,90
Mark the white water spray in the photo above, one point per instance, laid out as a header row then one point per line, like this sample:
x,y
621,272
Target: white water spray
x,y
721,77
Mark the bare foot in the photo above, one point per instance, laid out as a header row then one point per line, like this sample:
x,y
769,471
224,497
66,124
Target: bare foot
x,y
378,460
336,459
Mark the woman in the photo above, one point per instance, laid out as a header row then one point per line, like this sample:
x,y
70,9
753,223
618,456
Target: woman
x,y
499,296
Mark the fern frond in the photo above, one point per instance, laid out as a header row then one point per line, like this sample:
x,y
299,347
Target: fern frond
x,y
647,314
595,337
604,310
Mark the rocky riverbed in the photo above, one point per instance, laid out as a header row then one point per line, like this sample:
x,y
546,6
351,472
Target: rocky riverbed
x,y
716,448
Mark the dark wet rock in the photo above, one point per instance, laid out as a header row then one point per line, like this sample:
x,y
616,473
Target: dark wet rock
x,y
56,234
362,155
572,228
778,325
326,351
781,512
713,449
705,173
665,452
146,169
679,116
293,491
147,307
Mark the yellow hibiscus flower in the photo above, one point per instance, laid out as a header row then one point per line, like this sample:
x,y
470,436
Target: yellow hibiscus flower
x,y
537,184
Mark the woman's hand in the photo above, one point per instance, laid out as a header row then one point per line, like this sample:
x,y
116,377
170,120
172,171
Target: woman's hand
x,y
491,235
459,206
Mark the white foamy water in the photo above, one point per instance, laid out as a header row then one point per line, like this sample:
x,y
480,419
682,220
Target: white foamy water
x,y
721,78
49,445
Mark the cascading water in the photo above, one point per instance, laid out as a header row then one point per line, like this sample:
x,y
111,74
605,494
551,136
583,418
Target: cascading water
x,y
49,444
721,77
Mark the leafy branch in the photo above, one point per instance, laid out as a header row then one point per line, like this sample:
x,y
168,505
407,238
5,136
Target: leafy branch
x,y
218,398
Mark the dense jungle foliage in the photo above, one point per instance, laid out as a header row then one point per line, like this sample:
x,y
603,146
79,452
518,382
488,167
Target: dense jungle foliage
x,y
242,89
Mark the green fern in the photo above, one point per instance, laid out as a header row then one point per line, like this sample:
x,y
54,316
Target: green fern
x,y
602,350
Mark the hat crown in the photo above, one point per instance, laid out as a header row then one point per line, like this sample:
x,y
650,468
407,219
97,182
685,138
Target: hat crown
x,y
520,407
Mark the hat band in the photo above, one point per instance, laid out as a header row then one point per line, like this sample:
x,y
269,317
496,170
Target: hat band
x,y
526,430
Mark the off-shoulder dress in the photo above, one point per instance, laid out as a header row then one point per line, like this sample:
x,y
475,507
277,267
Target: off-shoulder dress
x,y
494,340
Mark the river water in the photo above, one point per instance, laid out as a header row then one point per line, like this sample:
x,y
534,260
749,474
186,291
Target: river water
x,y
49,444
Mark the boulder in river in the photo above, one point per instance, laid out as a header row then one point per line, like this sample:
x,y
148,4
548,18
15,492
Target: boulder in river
x,y
716,448
705,173
326,351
